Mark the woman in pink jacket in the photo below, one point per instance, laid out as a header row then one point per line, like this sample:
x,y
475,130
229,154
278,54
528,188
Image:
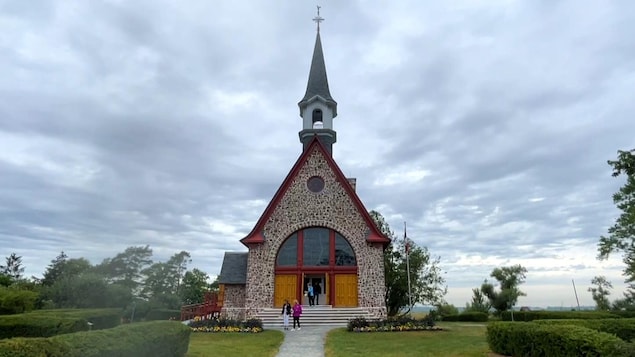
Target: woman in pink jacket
x,y
297,312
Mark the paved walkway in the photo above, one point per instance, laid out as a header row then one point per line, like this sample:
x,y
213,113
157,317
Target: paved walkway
x,y
307,342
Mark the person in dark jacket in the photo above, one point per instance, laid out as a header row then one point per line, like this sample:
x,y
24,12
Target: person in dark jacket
x,y
286,312
317,290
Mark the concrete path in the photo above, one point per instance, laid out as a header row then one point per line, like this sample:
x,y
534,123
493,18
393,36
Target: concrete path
x,y
306,342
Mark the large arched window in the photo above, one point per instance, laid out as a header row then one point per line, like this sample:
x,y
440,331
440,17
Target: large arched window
x,y
316,247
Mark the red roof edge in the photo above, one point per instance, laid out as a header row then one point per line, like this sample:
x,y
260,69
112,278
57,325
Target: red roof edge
x,y
255,236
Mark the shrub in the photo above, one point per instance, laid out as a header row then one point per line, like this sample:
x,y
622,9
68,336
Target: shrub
x,y
552,315
151,339
23,325
146,339
401,323
14,301
163,314
45,323
473,316
33,347
622,328
530,339
226,325
100,318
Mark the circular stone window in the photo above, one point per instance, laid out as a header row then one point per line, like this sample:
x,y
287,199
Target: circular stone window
x,y
315,184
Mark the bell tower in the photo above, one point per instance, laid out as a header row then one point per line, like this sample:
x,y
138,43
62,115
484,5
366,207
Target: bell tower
x,y
318,108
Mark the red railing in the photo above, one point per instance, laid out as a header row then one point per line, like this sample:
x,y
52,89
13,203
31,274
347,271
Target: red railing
x,y
206,310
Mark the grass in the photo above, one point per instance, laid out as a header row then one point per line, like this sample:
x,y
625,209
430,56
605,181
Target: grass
x,y
266,344
457,339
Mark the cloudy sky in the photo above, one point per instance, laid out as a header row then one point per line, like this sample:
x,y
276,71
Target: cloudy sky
x,y
485,125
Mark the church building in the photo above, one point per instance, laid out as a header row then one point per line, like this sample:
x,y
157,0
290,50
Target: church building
x,y
315,230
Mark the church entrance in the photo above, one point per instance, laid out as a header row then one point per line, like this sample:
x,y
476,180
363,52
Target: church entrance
x,y
319,257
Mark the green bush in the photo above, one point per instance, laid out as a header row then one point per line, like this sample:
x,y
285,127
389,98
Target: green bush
x,y
163,314
473,316
33,347
530,339
100,318
46,323
555,315
622,328
14,301
23,325
145,339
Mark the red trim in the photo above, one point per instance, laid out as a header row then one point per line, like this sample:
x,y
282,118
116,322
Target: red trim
x,y
255,236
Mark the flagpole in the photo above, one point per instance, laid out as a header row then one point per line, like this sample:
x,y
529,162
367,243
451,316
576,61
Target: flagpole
x,y
407,248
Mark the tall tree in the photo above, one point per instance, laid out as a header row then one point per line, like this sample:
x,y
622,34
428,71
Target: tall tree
x,y
195,285
13,267
600,292
508,278
427,283
621,238
54,270
479,303
126,267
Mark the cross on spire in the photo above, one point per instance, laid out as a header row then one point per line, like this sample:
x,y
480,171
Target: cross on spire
x,y
318,18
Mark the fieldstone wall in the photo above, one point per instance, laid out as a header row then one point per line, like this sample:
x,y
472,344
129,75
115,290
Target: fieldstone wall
x,y
234,302
300,208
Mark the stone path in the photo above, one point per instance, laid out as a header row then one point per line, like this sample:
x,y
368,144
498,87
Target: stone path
x,y
307,342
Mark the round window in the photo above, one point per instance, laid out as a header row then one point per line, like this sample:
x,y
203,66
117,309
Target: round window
x,y
315,184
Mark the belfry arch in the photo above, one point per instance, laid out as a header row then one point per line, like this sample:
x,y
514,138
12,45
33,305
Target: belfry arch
x,y
316,255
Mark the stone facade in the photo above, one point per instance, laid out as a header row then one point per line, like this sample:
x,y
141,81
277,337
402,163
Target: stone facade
x,y
234,302
300,208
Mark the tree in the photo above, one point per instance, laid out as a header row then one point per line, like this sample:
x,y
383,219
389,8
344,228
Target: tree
x,y
601,292
427,283
508,278
621,236
195,286
126,267
13,267
480,303
54,270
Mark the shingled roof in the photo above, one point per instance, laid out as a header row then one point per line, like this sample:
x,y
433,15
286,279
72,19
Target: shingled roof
x,y
234,269
318,84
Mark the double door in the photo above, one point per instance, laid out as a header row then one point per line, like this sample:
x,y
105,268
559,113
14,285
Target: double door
x,y
342,292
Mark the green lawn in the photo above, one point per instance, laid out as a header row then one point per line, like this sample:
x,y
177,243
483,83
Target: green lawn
x,y
266,344
457,339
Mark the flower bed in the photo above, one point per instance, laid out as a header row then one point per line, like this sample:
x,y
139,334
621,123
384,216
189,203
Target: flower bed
x,y
400,324
226,325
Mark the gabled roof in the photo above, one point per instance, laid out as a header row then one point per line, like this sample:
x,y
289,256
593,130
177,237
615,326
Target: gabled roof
x,y
234,268
256,237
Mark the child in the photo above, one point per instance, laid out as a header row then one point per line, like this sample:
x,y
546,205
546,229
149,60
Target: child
x,y
286,311
297,311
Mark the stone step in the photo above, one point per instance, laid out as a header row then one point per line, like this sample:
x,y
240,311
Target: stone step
x,y
322,315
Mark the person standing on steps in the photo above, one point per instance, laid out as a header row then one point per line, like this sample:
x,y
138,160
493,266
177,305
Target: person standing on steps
x,y
309,289
286,312
297,312
317,290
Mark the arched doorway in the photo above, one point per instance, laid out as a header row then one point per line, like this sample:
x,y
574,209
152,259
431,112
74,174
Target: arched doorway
x,y
318,256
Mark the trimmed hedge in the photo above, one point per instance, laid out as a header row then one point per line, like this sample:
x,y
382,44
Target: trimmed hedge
x,y
622,328
530,339
144,339
163,314
46,323
39,326
555,315
100,318
473,316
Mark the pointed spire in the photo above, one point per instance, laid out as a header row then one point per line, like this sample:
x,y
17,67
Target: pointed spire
x,y
318,83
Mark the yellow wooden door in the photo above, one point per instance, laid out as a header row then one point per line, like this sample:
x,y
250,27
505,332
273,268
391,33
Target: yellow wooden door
x,y
345,290
285,289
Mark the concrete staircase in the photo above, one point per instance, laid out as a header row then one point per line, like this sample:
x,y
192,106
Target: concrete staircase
x,y
319,315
